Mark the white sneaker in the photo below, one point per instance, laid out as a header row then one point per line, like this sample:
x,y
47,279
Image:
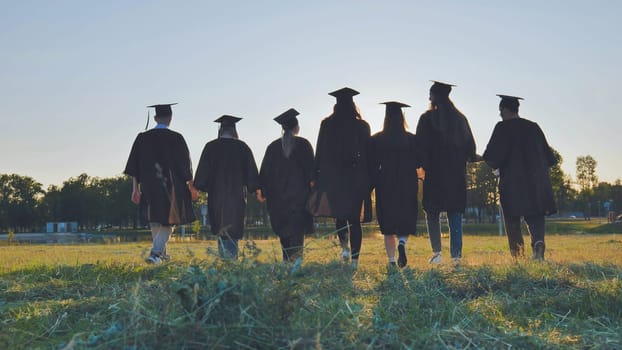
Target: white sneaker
x,y
345,255
154,259
355,264
456,260
436,258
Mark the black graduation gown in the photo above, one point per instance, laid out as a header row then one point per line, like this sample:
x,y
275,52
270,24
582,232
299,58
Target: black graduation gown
x,y
341,168
160,161
520,151
285,185
393,167
226,171
444,186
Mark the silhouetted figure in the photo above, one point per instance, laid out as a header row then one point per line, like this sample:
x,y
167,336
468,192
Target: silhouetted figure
x,y
520,152
227,172
393,162
285,177
342,172
446,143
160,166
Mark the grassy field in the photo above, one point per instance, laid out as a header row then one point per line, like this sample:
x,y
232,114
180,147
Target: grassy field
x,y
104,296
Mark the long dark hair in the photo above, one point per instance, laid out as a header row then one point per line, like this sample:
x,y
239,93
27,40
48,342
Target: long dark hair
x,y
448,119
394,128
228,130
287,140
346,110
394,122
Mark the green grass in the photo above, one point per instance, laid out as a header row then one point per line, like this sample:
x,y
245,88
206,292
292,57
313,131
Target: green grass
x,y
105,297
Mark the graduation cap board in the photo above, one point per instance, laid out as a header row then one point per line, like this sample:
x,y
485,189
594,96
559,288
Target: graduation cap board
x,y
508,97
394,104
163,110
227,120
288,118
344,94
441,88
510,102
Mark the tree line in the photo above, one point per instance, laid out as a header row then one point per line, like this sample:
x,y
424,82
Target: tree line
x,y
104,202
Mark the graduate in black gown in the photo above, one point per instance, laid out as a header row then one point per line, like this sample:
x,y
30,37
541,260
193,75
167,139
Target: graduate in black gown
x,y
393,162
160,166
285,177
520,152
228,173
446,143
342,172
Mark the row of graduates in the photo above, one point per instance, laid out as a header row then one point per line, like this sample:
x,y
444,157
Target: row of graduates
x,y
337,181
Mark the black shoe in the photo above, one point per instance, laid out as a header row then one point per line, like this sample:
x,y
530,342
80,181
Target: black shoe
x,y
401,258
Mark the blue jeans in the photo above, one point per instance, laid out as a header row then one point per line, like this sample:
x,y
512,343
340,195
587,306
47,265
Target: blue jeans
x,y
455,231
227,248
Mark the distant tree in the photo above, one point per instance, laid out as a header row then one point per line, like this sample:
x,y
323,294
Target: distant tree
x,y
81,201
586,173
563,190
586,179
50,207
482,190
114,193
19,199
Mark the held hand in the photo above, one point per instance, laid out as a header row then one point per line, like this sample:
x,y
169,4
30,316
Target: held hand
x,y
421,174
136,196
194,194
260,197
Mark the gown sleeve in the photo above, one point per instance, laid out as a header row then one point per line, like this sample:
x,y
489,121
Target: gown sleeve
x,y
497,148
264,172
132,167
201,178
252,175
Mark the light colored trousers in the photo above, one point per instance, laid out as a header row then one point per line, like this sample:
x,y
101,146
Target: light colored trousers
x,y
160,235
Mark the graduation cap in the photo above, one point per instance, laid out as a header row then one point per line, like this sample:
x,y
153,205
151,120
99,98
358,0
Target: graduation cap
x,y
288,118
508,97
440,88
509,102
395,104
394,107
344,94
163,110
227,120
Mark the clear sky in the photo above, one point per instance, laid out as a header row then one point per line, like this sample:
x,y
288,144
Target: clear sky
x,y
76,75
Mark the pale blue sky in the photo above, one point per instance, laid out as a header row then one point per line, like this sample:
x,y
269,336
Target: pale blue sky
x,y
76,75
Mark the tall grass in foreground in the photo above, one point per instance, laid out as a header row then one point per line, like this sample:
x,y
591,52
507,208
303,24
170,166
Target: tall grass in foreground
x,y
104,296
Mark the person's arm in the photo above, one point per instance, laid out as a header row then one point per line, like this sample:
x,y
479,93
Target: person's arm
x,y
201,177
252,175
307,162
194,194
319,150
422,142
264,175
550,156
497,148
472,156
187,170
135,191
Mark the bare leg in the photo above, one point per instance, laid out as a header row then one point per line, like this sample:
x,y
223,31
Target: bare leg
x,y
389,245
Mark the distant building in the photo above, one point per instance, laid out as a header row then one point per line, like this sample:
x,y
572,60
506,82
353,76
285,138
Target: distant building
x,y
61,227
